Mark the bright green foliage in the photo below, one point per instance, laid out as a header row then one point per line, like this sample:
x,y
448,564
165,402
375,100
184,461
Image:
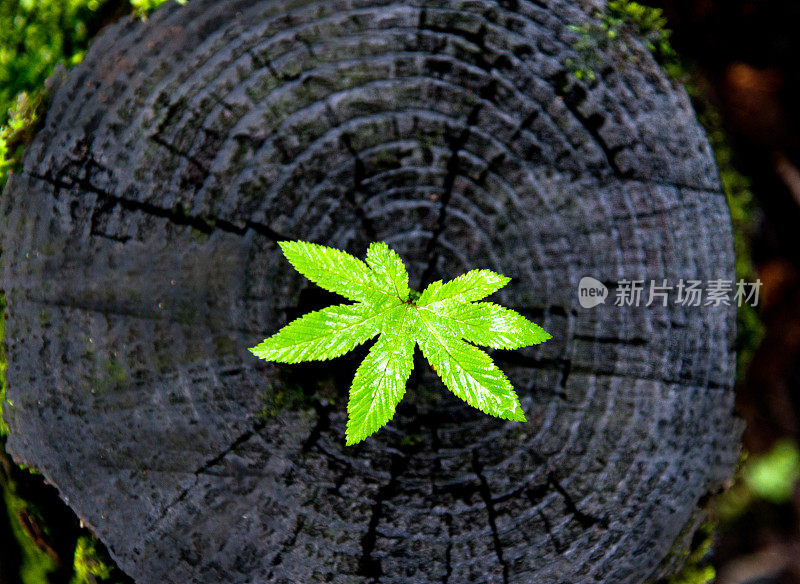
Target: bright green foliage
x,y
35,36
89,565
339,272
491,325
697,568
440,320
473,285
323,334
379,385
23,120
614,30
35,564
143,8
773,476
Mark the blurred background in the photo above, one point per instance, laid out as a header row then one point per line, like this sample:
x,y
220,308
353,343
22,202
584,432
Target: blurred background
x,y
738,61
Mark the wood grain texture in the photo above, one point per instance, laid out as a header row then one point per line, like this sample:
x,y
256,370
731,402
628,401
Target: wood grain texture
x,y
140,261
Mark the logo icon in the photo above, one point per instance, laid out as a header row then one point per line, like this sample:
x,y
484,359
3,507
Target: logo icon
x,y
591,292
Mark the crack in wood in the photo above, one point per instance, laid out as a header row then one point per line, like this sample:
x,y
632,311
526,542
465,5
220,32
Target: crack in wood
x,y
323,409
368,566
573,95
586,520
255,428
137,314
341,476
456,144
94,229
203,168
486,496
288,544
559,547
448,552
359,173
176,215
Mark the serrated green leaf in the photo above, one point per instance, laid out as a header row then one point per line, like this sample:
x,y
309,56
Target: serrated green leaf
x,y
473,285
380,381
332,269
389,268
491,325
322,335
468,372
437,320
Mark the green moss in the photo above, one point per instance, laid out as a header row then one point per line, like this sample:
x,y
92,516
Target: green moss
x,y
291,397
224,345
411,440
770,477
275,402
35,37
298,390
89,564
648,22
199,236
143,8
745,216
114,375
35,563
696,569
614,30
23,121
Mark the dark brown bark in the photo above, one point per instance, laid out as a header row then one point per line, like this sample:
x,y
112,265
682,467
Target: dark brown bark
x,y
140,261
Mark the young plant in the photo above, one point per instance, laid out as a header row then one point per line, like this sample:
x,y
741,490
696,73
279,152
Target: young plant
x,y
444,321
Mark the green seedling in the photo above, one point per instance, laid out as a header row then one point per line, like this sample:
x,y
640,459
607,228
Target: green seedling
x,y
445,320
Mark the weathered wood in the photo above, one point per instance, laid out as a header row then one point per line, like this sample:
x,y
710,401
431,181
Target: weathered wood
x,y
139,262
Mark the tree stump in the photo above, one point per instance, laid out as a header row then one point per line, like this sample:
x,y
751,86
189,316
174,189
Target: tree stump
x,y
140,261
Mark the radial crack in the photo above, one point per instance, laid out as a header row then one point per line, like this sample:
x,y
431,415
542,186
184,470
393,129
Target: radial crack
x,y
368,566
573,96
448,559
359,173
288,544
549,529
210,463
176,215
180,153
586,520
323,423
486,495
453,168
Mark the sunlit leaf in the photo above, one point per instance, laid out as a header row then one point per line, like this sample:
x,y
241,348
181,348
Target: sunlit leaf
x,y
443,321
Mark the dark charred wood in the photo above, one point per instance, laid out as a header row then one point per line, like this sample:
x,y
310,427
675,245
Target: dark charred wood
x,y
140,261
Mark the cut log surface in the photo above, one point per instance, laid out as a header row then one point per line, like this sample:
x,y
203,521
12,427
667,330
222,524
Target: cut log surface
x,y
140,261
